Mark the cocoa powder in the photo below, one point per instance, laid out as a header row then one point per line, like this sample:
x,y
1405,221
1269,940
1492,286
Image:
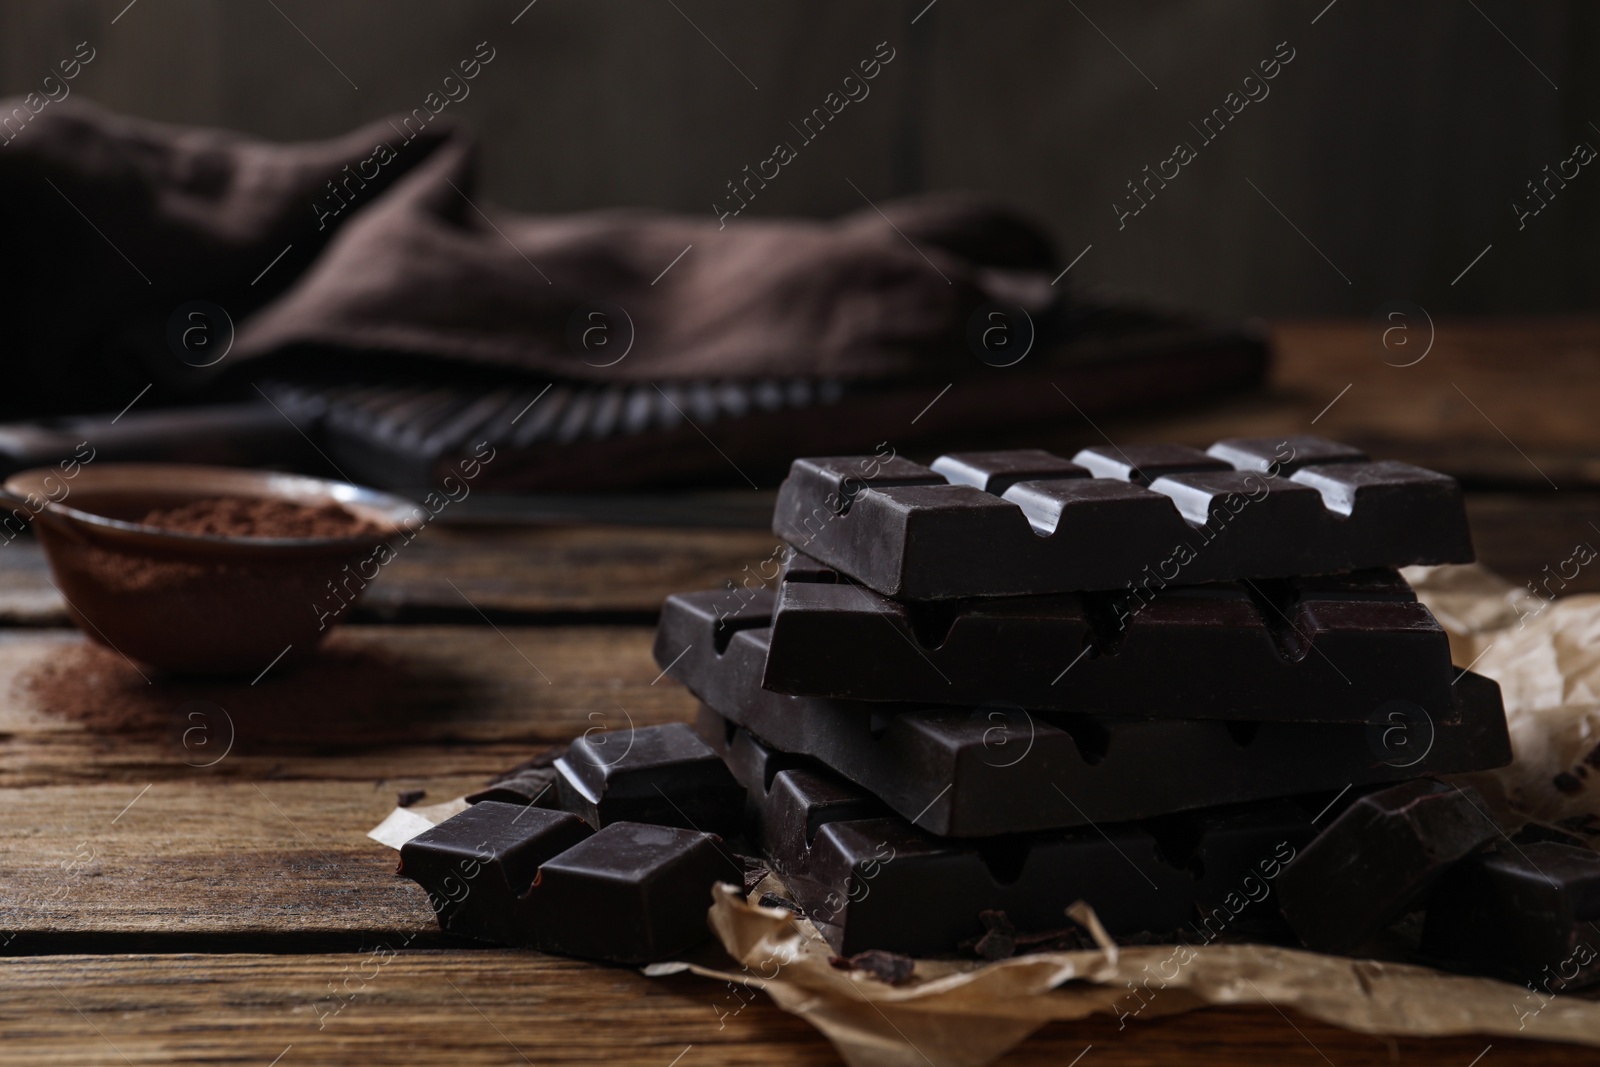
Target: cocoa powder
x,y
349,693
241,516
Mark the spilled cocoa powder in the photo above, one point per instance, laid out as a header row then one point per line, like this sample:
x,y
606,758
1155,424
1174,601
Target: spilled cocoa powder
x,y
240,516
349,693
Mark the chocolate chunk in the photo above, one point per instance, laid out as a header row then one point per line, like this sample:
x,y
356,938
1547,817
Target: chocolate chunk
x,y
974,772
654,774
476,864
533,781
632,893
518,875
1377,859
1526,913
923,533
999,940
407,797
1319,650
889,967
873,881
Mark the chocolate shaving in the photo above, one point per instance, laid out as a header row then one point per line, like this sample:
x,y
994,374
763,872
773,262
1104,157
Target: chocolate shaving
x,y
890,967
407,797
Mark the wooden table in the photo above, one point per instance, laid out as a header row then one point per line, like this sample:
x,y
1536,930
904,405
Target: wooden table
x,y
155,909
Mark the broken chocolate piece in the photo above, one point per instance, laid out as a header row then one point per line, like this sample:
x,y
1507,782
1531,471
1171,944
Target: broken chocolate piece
x,y
931,533
632,893
1526,913
975,772
869,880
533,781
407,797
476,864
1374,862
663,775
1330,649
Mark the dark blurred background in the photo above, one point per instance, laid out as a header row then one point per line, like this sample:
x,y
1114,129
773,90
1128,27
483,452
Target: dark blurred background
x,y
1396,141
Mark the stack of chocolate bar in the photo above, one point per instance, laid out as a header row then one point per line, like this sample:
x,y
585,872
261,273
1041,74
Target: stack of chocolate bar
x,y
1187,688
990,687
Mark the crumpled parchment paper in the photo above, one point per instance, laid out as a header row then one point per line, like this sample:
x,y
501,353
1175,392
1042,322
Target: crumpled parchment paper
x,y
1545,654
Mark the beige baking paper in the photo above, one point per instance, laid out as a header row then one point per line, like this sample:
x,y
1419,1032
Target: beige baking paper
x,y
1545,654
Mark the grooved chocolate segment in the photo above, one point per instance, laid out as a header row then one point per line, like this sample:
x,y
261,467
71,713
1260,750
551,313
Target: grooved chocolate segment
x,y
879,883
1284,455
1374,862
908,531
632,893
652,774
476,864
995,472
1332,649
519,875
1145,463
995,769
1525,912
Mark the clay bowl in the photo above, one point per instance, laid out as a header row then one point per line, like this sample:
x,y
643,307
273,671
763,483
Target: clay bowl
x,y
200,603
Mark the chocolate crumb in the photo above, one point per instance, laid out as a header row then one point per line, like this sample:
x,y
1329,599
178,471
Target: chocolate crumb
x,y
753,877
1567,783
890,967
999,940
773,900
407,797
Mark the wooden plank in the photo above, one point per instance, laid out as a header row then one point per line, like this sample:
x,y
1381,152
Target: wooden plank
x,y
398,1006
450,573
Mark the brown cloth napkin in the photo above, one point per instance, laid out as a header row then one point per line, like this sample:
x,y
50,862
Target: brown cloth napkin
x,y
390,258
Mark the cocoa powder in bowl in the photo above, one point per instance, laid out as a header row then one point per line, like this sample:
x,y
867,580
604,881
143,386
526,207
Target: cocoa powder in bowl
x,y
243,516
199,570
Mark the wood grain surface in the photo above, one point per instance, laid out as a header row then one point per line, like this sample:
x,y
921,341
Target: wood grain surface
x,y
395,1004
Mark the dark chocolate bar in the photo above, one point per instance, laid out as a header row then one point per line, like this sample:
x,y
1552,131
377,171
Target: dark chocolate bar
x,y
519,875
663,775
1137,519
974,772
1325,649
873,881
1523,912
1376,860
